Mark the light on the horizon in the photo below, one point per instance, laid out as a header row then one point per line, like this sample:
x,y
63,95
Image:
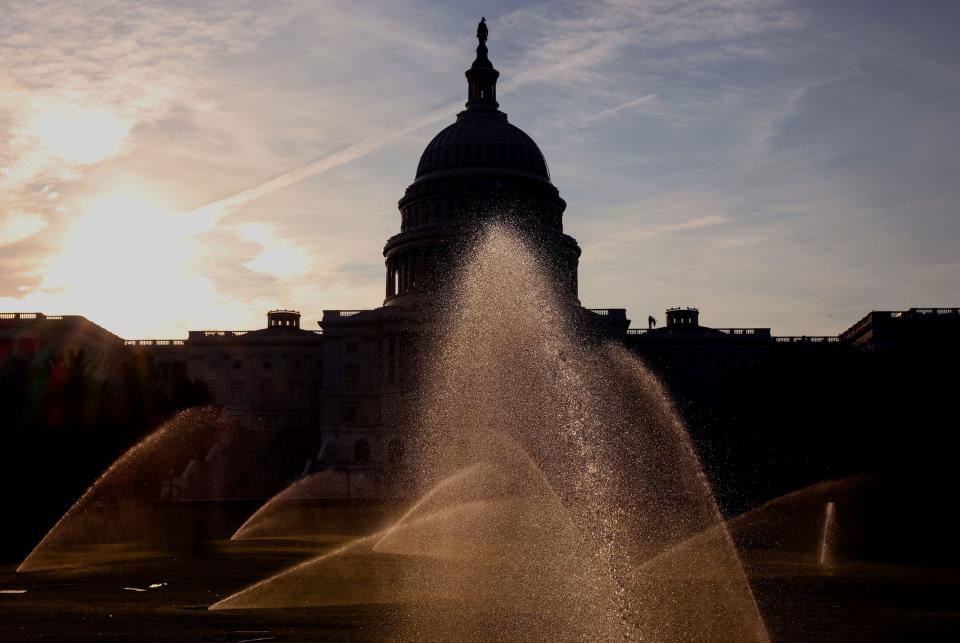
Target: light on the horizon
x,y
278,257
127,257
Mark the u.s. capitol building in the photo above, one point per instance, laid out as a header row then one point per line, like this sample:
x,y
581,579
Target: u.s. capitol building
x,y
337,388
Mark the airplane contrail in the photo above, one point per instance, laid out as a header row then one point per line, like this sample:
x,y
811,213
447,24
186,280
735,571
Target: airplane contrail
x,y
619,108
212,212
215,210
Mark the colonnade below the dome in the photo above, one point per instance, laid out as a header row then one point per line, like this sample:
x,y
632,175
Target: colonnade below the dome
x,y
412,270
430,212
423,269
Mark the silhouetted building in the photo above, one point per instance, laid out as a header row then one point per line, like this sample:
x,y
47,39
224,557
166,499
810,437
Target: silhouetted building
x,y
339,389
882,330
693,358
34,337
478,168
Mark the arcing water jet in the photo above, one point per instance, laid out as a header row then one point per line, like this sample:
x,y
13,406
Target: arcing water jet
x,y
553,473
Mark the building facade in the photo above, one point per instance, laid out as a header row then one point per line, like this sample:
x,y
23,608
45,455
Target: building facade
x,y
336,390
35,337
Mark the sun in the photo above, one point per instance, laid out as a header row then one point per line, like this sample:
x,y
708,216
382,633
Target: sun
x,y
128,258
79,134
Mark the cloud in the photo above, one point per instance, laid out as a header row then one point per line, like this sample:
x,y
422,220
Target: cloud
x,y
309,117
194,106
560,50
619,108
277,257
683,226
221,207
628,236
18,226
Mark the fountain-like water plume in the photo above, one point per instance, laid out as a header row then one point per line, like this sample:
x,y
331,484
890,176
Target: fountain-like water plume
x,y
826,536
458,517
119,515
303,510
553,473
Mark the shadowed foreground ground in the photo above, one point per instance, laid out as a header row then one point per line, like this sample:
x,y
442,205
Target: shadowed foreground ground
x,y
799,602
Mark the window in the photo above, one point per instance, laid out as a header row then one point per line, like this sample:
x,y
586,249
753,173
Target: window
x,y
361,451
351,347
349,414
296,392
236,392
296,365
266,365
395,452
236,365
266,392
351,376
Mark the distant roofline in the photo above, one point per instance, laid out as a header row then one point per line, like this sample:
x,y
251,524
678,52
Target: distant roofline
x,y
330,315
909,313
38,316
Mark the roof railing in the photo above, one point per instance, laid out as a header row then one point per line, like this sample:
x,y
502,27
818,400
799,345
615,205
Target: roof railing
x,y
807,339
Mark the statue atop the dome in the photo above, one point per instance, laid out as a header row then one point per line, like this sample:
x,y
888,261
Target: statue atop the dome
x,y
482,77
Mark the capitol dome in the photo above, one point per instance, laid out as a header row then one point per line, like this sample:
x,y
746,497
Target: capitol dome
x,y
482,138
478,169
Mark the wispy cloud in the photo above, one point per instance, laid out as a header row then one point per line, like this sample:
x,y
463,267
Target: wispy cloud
x,y
592,118
278,257
302,122
561,50
17,226
683,226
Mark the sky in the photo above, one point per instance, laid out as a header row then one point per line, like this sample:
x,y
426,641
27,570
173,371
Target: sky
x,y
175,166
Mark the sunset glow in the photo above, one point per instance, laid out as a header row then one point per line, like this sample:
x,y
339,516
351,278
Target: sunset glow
x,y
127,256
763,142
549,320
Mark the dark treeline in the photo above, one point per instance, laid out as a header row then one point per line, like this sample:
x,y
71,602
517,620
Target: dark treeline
x,y
63,422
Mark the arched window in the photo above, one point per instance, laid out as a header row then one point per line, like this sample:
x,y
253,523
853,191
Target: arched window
x,y
361,451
